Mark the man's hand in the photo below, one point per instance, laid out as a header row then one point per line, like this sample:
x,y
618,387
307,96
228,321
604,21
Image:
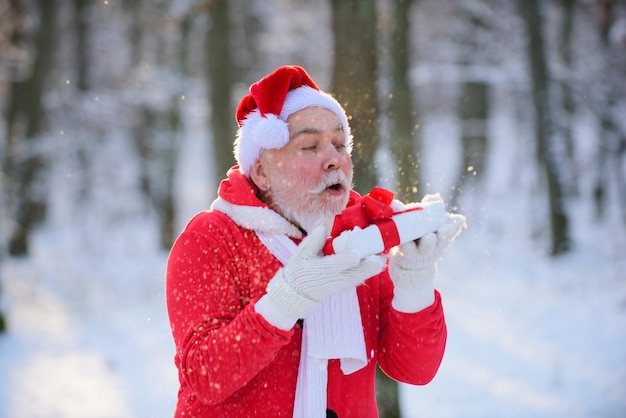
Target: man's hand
x,y
413,265
309,277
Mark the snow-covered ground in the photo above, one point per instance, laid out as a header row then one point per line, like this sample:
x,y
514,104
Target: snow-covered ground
x,y
88,333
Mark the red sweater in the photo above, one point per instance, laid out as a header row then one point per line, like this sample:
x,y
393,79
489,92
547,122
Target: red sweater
x,y
233,363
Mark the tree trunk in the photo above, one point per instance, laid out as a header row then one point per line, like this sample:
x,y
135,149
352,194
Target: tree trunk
x,y
472,107
82,44
611,139
473,111
3,322
220,82
167,151
403,145
567,99
143,127
82,35
25,124
157,134
354,81
544,129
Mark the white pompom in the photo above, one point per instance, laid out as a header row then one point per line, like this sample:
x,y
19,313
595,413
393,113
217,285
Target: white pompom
x,y
270,132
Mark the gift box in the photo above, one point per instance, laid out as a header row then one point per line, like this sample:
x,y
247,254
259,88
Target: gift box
x,y
370,226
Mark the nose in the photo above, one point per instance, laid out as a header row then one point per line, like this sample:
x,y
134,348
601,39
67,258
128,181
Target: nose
x,y
332,159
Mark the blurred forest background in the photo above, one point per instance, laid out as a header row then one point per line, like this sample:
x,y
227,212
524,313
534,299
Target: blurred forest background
x,y
101,97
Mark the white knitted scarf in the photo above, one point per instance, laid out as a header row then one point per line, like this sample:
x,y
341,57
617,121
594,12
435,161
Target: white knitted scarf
x,y
332,331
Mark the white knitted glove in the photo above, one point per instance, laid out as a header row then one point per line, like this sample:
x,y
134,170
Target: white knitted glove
x,y
309,277
413,265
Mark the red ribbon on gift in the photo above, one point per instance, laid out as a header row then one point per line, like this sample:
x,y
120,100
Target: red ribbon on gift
x,y
371,209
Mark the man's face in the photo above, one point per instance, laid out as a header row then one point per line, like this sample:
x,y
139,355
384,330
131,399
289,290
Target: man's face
x,y
310,177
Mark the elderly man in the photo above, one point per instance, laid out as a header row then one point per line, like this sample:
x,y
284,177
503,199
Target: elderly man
x,y
264,324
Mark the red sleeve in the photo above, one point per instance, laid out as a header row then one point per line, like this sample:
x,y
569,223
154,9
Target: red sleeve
x,y
221,342
411,345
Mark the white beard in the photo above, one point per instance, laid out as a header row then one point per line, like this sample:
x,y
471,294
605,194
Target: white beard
x,y
306,212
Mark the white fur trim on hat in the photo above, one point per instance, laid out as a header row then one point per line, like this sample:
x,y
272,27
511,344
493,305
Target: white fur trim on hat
x,y
305,96
257,133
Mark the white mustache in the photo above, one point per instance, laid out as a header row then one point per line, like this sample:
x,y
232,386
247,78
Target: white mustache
x,y
336,177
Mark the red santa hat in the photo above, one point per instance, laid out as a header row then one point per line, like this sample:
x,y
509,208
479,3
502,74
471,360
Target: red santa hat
x,y
262,114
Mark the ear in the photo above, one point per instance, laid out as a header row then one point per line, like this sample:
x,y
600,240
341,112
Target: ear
x,y
258,174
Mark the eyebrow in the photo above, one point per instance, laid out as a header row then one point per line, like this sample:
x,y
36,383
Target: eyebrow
x,y
312,130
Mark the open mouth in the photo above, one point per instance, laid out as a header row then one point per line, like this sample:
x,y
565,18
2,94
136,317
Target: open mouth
x,y
335,189
335,184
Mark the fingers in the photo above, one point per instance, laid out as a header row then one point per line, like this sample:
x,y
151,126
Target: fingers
x,y
406,250
336,263
432,245
312,244
415,255
453,226
457,219
426,245
449,231
367,268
